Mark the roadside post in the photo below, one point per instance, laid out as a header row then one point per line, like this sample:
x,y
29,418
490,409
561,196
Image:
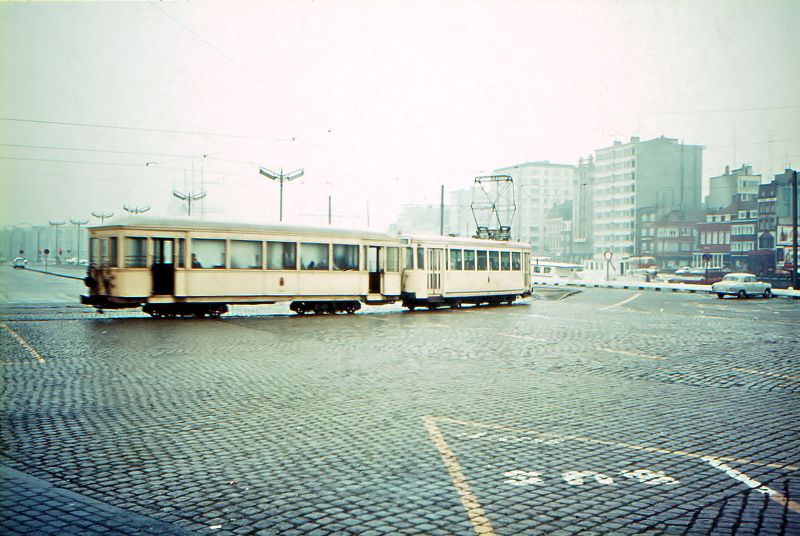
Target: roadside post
x,y
46,254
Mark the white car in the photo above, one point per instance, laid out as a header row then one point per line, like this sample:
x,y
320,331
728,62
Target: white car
x,y
741,285
20,262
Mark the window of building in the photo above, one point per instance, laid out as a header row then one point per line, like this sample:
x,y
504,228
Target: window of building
x,y
392,259
135,252
245,254
469,259
481,256
313,256
281,255
455,259
345,257
208,253
494,260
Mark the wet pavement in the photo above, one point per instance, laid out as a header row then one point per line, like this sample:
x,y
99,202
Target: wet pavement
x,y
598,412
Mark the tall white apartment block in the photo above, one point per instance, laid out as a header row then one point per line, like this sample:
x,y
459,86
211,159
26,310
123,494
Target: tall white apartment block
x,y
640,179
538,186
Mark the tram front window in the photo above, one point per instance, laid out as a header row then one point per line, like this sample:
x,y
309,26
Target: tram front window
x,y
135,252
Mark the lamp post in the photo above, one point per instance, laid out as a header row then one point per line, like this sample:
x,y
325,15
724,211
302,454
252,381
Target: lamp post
x,y
38,230
78,223
281,178
189,198
136,210
57,224
102,216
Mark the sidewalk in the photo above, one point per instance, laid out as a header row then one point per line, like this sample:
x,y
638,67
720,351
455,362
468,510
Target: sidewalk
x,y
643,285
29,505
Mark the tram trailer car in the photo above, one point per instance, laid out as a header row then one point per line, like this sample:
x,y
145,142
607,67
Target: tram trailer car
x,y
179,268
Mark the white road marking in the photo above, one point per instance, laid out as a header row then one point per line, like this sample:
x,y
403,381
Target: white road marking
x,y
623,302
22,342
523,478
754,484
773,374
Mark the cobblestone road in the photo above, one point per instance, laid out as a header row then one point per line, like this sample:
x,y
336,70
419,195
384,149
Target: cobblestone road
x,y
607,412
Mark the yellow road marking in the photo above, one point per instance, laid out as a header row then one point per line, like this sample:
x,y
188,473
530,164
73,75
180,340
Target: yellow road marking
x,y
773,374
632,446
22,342
526,337
476,514
623,302
628,352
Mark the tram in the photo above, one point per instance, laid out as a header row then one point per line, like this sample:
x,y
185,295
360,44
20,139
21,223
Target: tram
x,y
183,268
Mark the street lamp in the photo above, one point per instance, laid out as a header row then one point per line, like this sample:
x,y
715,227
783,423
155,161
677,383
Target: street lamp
x,y
78,223
57,224
281,178
189,198
102,216
38,229
136,210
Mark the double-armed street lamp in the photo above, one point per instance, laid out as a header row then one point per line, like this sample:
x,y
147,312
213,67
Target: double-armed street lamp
x,y
136,210
38,230
78,223
57,224
102,216
189,198
281,178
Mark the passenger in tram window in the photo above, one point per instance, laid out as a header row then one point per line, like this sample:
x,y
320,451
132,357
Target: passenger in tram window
x,y
195,262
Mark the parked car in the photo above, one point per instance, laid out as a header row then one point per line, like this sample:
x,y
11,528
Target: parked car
x,y
741,285
19,262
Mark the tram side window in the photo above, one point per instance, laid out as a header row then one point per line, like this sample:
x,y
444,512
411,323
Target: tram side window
x,y
455,259
345,257
245,254
392,260
516,263
112,251
208,253
494,260
313,256
281,255
505,260
420,258
482,260
469,259
135,252
181,260
92,251
409,258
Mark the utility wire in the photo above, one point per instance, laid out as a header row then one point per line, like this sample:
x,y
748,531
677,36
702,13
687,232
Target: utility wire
x,y
144,129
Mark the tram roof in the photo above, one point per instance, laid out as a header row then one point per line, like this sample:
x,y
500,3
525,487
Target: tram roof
x,y
206,225
183,224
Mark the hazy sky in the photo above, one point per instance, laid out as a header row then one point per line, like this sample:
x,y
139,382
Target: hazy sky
x,y
379,102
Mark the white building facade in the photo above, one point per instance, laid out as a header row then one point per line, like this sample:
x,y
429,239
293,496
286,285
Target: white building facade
x,y
538,186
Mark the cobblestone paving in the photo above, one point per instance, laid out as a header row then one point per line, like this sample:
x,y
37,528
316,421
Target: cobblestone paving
x,y
665,414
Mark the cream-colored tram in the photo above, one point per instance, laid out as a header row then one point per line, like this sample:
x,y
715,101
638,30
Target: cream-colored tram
x,y
451,271
181,268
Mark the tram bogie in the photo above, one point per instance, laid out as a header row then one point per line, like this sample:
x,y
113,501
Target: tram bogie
x,y
325,306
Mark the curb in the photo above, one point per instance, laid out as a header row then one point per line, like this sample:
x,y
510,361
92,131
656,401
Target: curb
x,y
55,274
776,293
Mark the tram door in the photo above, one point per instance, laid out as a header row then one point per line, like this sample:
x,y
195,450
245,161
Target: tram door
x,y
163,267
435,265
374,269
